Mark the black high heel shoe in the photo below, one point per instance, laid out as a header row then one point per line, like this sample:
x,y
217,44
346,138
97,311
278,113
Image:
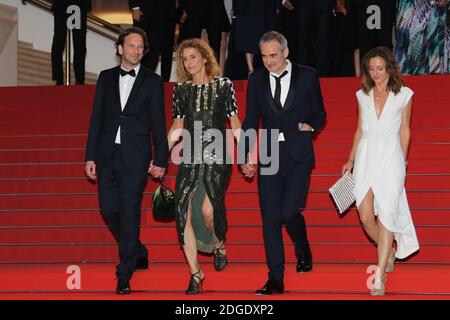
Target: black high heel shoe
x,y
194,286
220,259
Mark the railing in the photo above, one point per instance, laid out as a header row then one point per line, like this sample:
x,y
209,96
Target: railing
x,y
94,24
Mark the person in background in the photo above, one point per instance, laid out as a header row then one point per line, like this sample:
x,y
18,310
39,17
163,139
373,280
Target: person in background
x,y
158,18
59,9
253,19
313,29
423,36
203,14
370,35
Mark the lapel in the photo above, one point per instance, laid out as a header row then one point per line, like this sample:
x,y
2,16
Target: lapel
x,y
292,87
137,83
116,89
268,92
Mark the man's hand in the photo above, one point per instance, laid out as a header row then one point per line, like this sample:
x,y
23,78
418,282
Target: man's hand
x,y
183,17
305,127
288,5
137,14
90,170
156,171
248,170
340,7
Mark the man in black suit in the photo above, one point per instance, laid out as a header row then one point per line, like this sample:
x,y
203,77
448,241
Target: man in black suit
x,y
288,99
128,110
158,18
59,8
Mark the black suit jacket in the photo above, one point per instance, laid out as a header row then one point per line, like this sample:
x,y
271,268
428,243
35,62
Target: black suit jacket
x,y
142,118
85,5
303,105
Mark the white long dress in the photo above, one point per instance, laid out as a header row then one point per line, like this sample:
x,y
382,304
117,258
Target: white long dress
x,y
379,165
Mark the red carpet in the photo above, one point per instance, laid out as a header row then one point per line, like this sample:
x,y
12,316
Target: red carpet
x,y
49,214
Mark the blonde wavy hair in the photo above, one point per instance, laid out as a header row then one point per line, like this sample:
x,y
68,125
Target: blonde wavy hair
x,y
211,67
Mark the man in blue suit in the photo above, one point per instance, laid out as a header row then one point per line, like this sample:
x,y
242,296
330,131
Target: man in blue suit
x,y
288,100
128,112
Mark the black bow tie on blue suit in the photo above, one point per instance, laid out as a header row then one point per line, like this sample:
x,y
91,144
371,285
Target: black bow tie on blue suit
x,y
124,72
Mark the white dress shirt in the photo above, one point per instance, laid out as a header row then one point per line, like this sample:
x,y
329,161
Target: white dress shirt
x,y
125,85
285,85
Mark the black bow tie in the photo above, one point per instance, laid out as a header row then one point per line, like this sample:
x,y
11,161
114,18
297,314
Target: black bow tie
x,y
124,72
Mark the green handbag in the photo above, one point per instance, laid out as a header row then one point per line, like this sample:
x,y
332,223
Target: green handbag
x,y
163,203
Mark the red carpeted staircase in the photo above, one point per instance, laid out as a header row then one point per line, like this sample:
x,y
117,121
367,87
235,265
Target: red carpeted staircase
x,y
49,211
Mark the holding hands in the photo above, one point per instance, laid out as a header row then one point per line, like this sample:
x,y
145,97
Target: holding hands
x,y
248,170
155,171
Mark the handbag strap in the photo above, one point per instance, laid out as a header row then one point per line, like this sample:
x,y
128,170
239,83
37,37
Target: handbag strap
x,y
162,185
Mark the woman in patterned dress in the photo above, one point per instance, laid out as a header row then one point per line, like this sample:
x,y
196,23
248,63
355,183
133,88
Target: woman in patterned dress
x,y
202,102
423,36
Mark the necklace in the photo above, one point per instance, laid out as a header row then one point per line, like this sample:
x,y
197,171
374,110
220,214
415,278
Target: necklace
x,y
378,95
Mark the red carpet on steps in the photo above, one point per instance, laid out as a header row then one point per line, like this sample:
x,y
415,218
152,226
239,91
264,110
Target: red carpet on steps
x,y
49,216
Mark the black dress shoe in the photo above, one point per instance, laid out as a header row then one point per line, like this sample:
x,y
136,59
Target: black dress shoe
x,y
272,286
141,263
304,263
123,286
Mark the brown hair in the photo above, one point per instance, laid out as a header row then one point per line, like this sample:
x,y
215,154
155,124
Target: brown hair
x,y
395,81
127,32
212,68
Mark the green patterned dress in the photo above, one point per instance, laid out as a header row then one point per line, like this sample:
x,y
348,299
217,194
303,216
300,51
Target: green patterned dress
x,y
203,170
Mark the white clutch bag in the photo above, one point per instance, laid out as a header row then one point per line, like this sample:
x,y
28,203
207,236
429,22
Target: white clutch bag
x,y
342,192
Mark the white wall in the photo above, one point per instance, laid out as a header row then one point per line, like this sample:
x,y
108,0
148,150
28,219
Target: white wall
x,y
36,27
8,46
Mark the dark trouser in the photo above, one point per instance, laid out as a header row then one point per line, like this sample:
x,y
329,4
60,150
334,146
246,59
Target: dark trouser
x,y
120,191
161,33
282,196
314,33
211,19
59,41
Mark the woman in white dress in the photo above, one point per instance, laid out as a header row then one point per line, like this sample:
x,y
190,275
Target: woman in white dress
x,y
379,158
